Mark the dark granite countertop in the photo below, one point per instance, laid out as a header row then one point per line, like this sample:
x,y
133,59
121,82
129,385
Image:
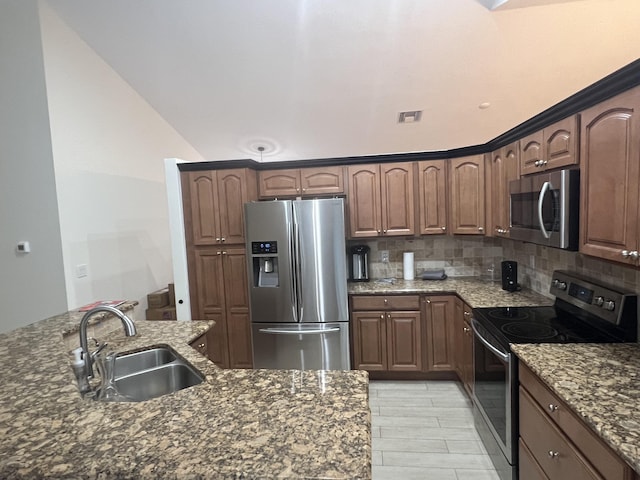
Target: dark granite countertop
x,y
236,424
600,382
473,290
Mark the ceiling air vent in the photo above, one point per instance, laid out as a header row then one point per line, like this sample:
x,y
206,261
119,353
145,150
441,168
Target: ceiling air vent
x,y
410,117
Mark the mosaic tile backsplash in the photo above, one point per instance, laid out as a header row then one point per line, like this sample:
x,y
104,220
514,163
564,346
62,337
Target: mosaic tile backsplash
x,y
480,256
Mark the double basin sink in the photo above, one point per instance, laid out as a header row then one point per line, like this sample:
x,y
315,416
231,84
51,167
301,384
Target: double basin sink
x,y
152,373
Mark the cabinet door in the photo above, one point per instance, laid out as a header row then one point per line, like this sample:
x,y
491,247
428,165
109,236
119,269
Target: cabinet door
x,y
369,340
237,308
217,346
322,181
397,199
610,153
432,180
458,320
279,183
561,143
232,195
504,169
404,352
440,334
202,218
467,351
200,344
364,201
466,188
530,153
209,281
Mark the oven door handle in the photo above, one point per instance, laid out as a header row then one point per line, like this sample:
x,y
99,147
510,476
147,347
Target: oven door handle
x,y
503,356
543,191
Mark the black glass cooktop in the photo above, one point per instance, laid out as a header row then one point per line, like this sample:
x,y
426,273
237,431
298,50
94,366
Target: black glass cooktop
x,y
538,325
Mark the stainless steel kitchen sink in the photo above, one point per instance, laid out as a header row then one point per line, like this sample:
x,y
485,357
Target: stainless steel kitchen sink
x,y
143,360
154,372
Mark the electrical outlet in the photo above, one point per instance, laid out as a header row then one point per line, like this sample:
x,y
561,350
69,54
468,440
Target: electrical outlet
x,y
384,256
81,270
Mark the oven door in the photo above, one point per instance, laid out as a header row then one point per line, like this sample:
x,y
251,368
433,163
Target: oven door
x,y
495,399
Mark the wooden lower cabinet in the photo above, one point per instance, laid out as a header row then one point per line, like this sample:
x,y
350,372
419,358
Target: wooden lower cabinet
x,y
555,443
439,315
222,296
463,340
200,344
386,339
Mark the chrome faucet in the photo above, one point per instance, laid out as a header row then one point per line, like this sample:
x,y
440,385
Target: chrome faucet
x,y
127,323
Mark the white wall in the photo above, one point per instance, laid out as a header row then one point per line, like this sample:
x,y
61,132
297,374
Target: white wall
x,y
32,285
109,147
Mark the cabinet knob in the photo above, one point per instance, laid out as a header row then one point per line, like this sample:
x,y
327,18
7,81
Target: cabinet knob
x,y
537,163
443,228
222,239
481,229
625,253
224,253
428,301
378,232
384,231
382,317
217,239
544,162
466,314
552,407
552,454
201,345
218,253
465,329
634,254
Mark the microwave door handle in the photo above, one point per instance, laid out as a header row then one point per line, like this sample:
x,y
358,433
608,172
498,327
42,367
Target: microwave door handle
x,y
543,191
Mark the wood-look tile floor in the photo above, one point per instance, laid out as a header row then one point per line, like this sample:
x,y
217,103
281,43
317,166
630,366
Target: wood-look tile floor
x,y
424,430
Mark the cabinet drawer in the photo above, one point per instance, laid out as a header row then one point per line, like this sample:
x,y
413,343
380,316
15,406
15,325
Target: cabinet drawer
x,y
385,302
528,468
549,447
605,460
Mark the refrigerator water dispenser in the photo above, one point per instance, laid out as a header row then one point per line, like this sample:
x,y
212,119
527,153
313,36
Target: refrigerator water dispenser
x,y
265,264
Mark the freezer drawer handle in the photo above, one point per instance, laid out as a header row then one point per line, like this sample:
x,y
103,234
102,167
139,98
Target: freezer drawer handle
x,y
297,332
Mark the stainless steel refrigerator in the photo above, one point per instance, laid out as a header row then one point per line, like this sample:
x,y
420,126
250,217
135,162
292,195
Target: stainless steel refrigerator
x,y
297,274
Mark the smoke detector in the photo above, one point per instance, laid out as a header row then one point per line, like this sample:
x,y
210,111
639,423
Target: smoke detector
x,y
410,117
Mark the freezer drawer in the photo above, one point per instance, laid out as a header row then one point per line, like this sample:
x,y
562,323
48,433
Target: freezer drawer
x,y
309,346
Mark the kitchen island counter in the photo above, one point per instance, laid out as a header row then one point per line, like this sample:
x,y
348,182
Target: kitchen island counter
x,y
473,290
236,424
600,383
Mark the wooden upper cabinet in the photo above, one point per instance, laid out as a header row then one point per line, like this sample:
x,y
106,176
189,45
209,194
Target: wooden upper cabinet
x,y
278,183
364,201
467,195
322,181
301,182
202,219
214,205
531,153
397,199
504,168
432,182
381,200
609,177
552,147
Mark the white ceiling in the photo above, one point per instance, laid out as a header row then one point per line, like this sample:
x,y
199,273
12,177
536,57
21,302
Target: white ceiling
x,y
327,78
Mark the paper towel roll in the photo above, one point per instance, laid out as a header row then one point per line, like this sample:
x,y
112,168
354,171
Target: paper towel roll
x,y
407,265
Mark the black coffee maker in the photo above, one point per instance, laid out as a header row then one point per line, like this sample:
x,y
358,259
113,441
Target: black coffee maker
x,y
510,276
359,264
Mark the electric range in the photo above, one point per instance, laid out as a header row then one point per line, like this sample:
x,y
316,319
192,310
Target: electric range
x,y
584,311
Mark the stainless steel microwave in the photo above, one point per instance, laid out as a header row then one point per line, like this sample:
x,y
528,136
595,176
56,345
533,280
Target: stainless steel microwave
x,y
544,208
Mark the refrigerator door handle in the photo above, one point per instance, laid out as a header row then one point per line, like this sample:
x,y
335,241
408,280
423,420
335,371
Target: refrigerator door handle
x,y
298,332
298,264
293,285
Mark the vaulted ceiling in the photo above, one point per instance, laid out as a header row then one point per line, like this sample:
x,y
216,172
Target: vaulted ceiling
x,y
327,78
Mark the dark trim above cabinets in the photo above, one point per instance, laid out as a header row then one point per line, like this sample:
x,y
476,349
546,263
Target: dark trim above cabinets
x,y
611,85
